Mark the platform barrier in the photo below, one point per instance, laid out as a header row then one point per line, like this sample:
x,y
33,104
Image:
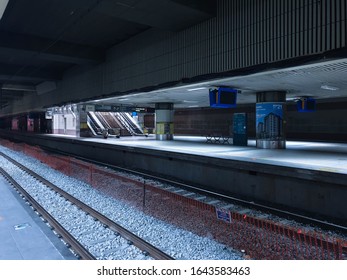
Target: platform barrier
x,y
257,238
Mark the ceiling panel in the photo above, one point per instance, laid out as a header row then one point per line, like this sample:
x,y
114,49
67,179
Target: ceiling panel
x,y
306,80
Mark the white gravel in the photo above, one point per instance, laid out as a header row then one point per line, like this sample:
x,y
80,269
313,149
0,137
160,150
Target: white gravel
x,y
90,233
178,243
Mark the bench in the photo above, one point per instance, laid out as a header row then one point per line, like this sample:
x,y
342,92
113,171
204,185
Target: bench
x,y
217,138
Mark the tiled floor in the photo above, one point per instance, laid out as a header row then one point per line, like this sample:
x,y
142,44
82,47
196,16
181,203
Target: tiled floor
x,y
23,235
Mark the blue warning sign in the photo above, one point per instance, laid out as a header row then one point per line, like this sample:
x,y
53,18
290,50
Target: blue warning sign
x,y
223,215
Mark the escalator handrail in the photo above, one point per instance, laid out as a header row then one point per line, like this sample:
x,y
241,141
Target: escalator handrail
x,y
96,120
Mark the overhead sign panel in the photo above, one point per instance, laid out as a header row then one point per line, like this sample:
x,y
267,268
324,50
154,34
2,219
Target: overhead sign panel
x,y
223,97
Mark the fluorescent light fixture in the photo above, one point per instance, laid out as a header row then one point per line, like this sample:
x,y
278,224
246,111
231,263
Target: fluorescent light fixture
x,y
123,99
193,106
18,87
194,89
190,101
3,5
292,98
327,87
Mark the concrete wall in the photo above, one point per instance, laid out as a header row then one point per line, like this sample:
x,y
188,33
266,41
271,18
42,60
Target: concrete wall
x,y
201,122
328,122
64,124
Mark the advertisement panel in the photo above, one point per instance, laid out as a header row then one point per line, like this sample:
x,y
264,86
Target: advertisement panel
x,y
269,121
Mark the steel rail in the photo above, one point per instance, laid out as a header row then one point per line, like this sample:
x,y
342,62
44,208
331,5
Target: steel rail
x,y
257,206
77,247
128,235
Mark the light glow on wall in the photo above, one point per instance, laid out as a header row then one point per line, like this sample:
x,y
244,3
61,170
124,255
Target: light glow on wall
x,y
3,5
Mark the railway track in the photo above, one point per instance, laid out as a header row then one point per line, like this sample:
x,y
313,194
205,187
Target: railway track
x,y
88,239
251,212
241,204
254,214
280,233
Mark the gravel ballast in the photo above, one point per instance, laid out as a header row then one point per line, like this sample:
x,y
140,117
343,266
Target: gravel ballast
x,y
177,242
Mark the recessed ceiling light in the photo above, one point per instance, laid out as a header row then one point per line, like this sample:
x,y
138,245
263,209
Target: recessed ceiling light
x,y
194,89
327,87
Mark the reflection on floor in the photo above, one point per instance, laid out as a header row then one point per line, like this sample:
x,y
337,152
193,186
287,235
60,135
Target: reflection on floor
x,y
330,157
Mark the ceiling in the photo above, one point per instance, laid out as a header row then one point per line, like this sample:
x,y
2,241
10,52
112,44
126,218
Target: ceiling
x,y
40,39
321,80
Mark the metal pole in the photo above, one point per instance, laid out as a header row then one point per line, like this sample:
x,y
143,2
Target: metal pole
x,y
144,194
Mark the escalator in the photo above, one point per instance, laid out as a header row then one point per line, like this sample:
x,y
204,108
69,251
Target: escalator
x,y
132,123
94,117
129,123
102,120
110,123
98,126
92,126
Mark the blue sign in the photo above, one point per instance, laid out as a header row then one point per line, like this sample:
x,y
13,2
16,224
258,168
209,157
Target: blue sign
x,y
223,215
306,105
223,97
240,123
240,129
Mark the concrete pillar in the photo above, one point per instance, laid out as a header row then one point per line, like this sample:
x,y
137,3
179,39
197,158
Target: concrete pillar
x,y
270,120
164,127
82,129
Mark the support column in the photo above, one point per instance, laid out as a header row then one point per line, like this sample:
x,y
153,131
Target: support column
x,y
164,126
270,120
82,129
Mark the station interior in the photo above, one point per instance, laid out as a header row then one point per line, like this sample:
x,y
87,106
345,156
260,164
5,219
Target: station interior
x,y
188,90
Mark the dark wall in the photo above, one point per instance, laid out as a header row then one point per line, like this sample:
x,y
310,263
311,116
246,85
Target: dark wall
x,y
328,122
206,121
39,122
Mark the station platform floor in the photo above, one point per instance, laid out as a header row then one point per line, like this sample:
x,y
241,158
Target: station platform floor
x,y
319,156
23,235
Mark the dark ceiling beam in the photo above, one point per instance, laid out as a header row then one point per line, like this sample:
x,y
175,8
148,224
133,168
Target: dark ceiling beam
x,y
12,94
35,79
14,74
41,48
206,6
9,96
26,54
162,14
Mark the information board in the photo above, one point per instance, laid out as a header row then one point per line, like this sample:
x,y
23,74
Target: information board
x,y
240,129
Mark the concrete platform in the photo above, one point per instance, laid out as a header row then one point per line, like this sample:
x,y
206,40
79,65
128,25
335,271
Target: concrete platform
x,y
330,157
23,235
307,177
